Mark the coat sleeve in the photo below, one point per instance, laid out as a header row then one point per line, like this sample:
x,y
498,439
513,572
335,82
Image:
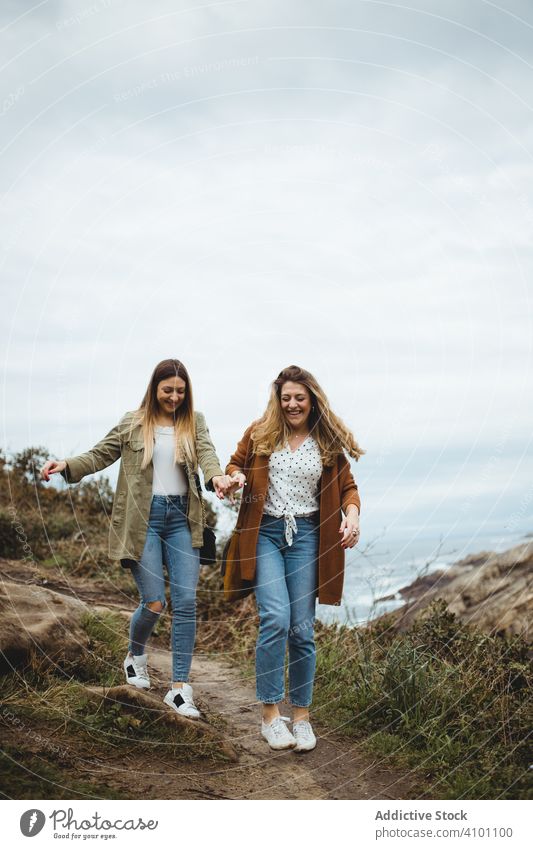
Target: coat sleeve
x,y
238,458
205,450
348,487
104,454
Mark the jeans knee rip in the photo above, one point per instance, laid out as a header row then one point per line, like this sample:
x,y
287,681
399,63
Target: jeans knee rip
x,y
155,601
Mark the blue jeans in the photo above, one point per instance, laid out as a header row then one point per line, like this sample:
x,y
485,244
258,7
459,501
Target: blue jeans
x,y
285,591
168,540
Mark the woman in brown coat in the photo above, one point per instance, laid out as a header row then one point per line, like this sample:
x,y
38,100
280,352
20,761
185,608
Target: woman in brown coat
x,y
298,514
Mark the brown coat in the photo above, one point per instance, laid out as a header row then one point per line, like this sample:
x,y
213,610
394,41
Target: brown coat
x,y
337,490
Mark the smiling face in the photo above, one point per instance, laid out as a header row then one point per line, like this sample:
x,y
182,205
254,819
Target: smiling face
x,y
296,403
170,394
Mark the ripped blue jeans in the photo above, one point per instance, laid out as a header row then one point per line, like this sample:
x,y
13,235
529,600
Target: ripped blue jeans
x,y
168,540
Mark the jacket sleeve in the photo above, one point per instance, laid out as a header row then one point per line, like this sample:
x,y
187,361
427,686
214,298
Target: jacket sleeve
x,y
105,453
348,487
205,450
238,458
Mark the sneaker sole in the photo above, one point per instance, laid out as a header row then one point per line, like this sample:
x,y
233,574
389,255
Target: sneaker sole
x,y
186,715
279,748
140,686
302,751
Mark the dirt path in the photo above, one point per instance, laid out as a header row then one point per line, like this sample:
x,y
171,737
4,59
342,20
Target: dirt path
x,y
332,771
336,769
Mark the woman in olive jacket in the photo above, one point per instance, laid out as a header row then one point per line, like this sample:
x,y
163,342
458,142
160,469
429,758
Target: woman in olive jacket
x,y
158,516
298,514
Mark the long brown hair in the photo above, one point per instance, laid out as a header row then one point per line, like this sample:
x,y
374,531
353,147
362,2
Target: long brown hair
x,y
184,424
271,431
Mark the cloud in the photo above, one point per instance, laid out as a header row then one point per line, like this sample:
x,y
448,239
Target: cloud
x,y
247,185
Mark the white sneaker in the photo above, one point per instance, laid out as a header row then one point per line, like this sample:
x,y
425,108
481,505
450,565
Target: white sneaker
x,y
277,734
304,736
135,669
180,700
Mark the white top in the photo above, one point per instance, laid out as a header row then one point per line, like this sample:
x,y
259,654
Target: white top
x,y
293,484
169,476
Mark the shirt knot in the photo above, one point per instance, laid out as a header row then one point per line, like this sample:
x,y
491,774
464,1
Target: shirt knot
x,y
291,527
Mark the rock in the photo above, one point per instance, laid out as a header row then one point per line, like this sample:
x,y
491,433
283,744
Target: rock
x,y
131,700
493,591
390,597
33,618
422,584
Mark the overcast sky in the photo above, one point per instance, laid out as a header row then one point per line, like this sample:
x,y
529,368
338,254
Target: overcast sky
x,y
344,185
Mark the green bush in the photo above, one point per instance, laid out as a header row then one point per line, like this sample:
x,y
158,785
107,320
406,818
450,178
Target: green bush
x,y
453,699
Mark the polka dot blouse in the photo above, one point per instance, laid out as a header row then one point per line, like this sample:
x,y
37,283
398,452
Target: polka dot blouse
x,y
293,478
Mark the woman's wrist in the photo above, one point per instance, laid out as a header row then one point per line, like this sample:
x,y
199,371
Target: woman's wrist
x,y
351,508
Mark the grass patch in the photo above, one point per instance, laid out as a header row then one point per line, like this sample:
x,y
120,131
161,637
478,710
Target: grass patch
x,y
52,709
24,775
222,627
42,698
444,697
86,557
108,644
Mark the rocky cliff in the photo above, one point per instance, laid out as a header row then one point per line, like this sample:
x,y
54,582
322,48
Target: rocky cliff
x,y
493,591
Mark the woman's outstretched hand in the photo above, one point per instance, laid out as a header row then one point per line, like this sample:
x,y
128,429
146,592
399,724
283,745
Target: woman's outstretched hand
x,y
52,467
350,528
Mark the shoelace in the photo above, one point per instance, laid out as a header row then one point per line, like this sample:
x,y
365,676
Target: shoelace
x,y
278,727
187,698
302,727
141,670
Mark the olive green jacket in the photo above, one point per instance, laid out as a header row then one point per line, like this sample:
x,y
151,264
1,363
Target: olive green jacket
x,y
133,496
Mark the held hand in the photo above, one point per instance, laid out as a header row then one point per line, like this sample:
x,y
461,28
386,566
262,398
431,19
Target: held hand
x,y
238,480
350,529
222,484
52,467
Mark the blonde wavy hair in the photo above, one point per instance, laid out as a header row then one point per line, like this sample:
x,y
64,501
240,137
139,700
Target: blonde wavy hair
x,y
271,431
184,422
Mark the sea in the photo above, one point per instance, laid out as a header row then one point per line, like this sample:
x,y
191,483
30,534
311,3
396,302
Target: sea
x,y
384,565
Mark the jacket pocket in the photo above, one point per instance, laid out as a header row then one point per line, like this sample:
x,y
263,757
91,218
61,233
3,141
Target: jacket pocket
x,y
133,453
